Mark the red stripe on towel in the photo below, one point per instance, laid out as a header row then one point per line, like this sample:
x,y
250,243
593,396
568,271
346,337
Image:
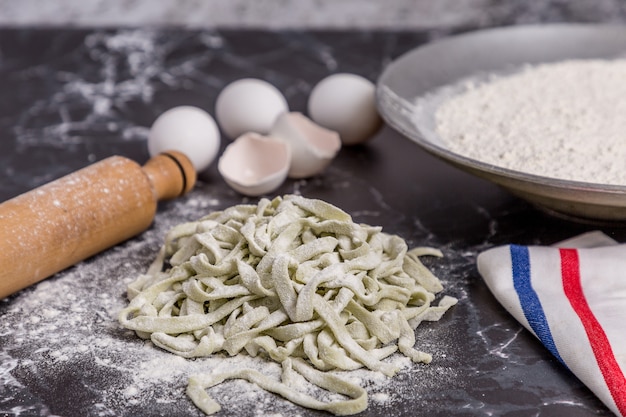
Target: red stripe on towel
x,y
613,376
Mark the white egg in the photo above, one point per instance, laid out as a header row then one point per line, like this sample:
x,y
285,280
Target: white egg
x,y
346,103
249,105
255,165
312,146
189,130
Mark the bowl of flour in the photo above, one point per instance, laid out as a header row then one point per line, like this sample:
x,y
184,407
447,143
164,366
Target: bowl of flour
x,y
538,110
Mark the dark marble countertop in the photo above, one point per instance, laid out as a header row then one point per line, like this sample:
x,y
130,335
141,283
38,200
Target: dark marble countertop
x,y
72,97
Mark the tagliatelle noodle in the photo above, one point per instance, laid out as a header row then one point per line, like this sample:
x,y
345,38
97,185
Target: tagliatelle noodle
x,y
294,279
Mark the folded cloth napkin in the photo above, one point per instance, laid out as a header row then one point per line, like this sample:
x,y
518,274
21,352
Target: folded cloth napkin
x,y
572,297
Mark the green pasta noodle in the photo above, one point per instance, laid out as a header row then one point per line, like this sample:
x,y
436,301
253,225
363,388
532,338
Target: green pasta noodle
x,y
294,280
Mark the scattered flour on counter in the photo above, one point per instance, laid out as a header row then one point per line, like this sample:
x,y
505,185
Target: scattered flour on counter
x,y
120,69
562,120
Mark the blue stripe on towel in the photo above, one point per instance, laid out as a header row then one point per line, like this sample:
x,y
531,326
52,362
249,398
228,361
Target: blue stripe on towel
x,y
520,261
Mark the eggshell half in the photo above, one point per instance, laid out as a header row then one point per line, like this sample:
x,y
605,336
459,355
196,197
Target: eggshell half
x,y
255,165
313,147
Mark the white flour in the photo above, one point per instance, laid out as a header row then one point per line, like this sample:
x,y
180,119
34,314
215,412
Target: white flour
x,y
563,120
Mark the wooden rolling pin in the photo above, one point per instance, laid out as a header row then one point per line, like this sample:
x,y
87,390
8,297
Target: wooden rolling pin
x,y
68,220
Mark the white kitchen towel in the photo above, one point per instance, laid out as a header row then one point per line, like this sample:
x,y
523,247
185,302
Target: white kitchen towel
x,y
572,297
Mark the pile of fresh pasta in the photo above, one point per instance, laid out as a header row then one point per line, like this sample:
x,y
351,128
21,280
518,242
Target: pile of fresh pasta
x,y
294,280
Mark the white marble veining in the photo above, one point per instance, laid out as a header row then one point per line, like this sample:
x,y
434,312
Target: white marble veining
x,y
281,14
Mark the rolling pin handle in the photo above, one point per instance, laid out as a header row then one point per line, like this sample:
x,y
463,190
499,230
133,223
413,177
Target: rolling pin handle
x,y
171,174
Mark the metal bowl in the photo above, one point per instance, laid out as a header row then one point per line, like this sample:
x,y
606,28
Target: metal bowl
x,y
444,62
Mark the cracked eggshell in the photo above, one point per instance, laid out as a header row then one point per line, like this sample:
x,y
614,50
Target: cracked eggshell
x,y
255,165
249,105
313,147
346,103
